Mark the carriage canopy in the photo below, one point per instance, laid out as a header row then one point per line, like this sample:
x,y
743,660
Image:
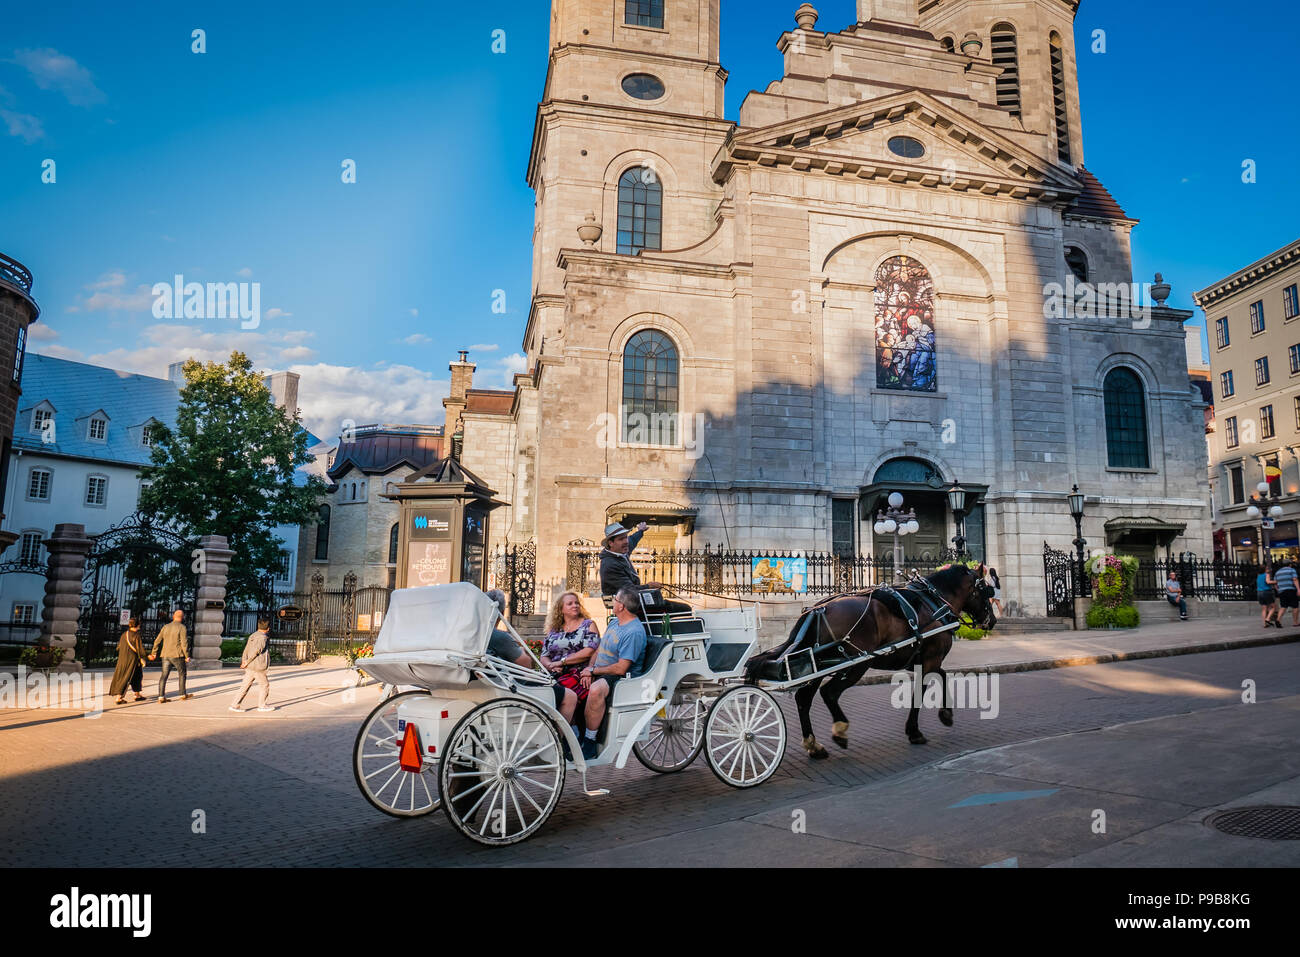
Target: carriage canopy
x,y
456,617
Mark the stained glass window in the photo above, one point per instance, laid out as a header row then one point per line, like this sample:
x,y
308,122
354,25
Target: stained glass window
x,y
650,389
640,211
1126,420
905,354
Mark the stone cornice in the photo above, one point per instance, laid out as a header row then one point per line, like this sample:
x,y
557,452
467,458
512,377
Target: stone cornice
x,y
1287,256
600,262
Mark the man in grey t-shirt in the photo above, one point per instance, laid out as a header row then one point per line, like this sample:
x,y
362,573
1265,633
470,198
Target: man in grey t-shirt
x,y
1287,594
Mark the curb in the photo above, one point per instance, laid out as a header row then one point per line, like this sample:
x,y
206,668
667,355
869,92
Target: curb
x,y
1046,664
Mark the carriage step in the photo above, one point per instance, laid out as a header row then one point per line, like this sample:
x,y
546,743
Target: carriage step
x,y
596,792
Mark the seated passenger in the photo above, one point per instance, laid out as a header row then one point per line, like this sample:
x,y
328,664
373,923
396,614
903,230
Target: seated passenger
x,y
617,570
619,651
571,641
502,645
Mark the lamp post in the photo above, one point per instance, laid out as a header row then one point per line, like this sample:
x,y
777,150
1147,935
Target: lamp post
x,y
1256,511
894,521
957,502
1076,509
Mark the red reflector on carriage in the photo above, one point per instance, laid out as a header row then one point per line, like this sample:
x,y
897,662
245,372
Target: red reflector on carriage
x,y
409,757
433,749
446,714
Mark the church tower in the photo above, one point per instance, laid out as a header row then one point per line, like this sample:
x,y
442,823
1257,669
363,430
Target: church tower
x,y
1033,42
633,107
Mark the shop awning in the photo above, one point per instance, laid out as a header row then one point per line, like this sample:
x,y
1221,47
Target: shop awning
x,y
1156,530
666,513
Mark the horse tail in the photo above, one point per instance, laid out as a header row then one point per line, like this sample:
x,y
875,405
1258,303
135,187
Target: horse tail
x,y
762,658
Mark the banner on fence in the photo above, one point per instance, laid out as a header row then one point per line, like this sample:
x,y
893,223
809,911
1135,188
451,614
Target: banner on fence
x,y
773,574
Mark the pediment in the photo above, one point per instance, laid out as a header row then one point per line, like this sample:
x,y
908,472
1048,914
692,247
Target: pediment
x,y
853,140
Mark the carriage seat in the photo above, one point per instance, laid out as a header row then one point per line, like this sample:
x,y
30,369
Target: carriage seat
x,y
652,667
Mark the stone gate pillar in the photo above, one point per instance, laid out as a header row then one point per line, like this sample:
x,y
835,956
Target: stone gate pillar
x,y
209,622
68,548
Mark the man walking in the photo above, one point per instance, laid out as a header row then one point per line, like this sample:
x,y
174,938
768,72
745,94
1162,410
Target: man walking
x,y
255,661
1287,594
175,645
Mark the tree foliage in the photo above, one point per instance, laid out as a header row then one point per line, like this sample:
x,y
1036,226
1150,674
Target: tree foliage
x,y
227,468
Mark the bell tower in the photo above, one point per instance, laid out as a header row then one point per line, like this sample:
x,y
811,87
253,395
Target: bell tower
x,y
1033,42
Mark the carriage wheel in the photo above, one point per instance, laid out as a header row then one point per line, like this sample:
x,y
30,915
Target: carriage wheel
x,y
676,736
379,775
744,736
504,768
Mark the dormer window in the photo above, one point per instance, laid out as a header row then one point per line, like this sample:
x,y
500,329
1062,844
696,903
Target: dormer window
x,y
644,13
39,419
147,436
98,430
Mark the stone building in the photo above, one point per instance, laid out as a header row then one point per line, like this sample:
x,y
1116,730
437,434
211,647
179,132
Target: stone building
x,y
1255,371
356,529
893,273
18,310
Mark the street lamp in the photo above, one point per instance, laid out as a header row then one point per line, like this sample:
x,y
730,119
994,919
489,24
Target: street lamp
x,y
957,502
1076,509
1256,512
894,521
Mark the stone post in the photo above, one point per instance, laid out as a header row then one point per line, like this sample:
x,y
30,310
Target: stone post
x,y
210,587
68,548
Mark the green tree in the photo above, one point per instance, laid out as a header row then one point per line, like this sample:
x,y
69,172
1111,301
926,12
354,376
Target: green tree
x,y
227,468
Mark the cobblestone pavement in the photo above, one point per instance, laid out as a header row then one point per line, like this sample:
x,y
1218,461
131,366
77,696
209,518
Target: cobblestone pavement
x,y
277,789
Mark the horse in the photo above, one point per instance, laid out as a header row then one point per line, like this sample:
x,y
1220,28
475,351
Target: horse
x,y
867,621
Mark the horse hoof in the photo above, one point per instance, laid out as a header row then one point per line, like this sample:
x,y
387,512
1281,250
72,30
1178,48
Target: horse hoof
x,y
842,742
815,750
821,754
945,717
918,738
840,733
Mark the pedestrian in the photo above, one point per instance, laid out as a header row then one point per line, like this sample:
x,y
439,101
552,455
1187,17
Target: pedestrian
x,y
1268,610
130,663
991,576
175,645
1174,594
1288,593
255,661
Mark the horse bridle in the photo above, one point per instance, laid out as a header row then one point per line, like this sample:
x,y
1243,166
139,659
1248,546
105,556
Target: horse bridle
x,y
961,616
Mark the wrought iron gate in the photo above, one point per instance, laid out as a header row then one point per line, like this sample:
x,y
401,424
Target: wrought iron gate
x,y
138,570
1061,573
514,571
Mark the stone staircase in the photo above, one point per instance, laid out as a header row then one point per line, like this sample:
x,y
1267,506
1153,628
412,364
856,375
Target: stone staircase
x,y
1021,626
530,627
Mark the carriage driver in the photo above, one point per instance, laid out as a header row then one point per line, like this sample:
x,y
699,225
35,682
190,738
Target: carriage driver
x,y
617,570
619,651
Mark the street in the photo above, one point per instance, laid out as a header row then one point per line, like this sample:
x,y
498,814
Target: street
x,y
191,784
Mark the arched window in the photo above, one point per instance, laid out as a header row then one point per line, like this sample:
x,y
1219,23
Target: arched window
x,y
392,545
905,339
323,534
650,389
1003,41
912,471
1126,420
1059,104
949,44
640,211
1077,260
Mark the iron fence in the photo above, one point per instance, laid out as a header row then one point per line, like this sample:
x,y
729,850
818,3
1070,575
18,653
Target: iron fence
x,y
318,622
1203,580
736,572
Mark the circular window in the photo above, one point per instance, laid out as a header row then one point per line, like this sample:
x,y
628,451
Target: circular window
x,y
907,147
643,86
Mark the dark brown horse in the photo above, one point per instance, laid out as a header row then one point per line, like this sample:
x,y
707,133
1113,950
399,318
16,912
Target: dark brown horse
x,y
868,621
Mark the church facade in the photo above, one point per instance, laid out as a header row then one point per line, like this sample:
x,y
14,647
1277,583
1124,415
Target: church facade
x,y
893,273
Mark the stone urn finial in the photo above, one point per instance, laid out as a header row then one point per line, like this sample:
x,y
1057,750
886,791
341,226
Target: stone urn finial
x,y
1160,291
590,231
971,44
806,16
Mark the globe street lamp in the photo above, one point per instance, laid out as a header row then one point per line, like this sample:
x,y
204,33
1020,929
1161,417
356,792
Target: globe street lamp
x,y
894,521
957,502
1076,509
1256,512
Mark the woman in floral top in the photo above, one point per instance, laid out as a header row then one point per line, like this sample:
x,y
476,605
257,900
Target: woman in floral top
x,y
571,639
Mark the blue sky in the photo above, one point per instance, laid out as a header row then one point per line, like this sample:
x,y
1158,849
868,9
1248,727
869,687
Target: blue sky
x,y
226,167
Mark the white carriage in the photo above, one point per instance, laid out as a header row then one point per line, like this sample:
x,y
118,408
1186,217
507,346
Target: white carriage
x,y
482,738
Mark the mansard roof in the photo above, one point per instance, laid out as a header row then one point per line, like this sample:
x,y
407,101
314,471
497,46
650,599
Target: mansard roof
x,y
377,450
822,141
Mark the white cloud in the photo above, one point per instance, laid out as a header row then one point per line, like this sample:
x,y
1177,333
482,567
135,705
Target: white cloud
x,y
245,272
484,348
414,312
500,375
515,364
110,280
398,394
417,339
40,332
23,125
276,313
52,70
57,351
164,343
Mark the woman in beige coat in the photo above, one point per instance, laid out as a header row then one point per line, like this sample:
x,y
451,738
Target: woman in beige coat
x,y
130,663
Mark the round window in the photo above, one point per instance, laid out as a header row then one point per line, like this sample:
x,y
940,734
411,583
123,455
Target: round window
x,y
643,86
907,147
